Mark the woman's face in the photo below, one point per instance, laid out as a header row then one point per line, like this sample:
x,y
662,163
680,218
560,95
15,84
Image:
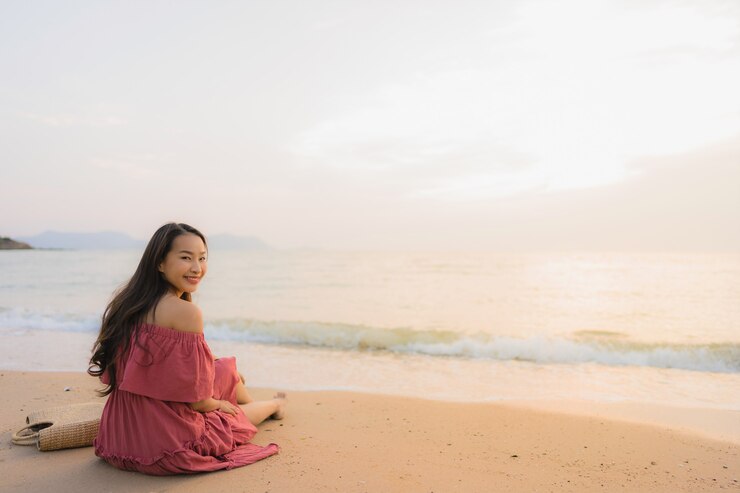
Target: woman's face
x,y
185,264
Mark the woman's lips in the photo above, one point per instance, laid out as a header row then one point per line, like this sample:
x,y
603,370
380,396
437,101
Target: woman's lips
x,y
193,280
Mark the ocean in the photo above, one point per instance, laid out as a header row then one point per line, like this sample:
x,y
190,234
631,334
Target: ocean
x,y
472,326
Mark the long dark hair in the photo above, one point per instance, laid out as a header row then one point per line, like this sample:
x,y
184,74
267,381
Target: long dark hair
x,y
132,302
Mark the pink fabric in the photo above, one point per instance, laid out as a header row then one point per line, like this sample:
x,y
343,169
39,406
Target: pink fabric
x,y
148,426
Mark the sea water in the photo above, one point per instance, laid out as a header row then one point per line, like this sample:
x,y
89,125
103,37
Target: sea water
x,y
655,327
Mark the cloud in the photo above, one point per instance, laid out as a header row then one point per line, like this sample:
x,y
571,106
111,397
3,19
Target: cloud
x,y
561,98
132,166
73,120
615,29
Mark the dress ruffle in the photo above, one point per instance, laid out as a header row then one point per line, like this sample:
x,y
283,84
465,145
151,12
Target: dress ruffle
x,y
169,365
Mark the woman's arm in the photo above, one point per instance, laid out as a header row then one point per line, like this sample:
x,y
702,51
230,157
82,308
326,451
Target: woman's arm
x,y
212,404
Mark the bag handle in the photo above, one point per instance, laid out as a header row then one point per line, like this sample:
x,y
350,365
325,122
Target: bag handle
x,y
29,435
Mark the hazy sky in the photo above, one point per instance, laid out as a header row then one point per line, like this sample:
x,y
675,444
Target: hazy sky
x,y
504,125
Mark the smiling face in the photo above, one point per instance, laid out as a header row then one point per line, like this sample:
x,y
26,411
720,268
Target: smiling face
x,y
185,264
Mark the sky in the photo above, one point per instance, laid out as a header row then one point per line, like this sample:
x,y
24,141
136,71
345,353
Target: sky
x,y
401,125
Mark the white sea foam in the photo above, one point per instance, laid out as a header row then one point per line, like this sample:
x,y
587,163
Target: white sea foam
x,y
20,318
575,348
608,349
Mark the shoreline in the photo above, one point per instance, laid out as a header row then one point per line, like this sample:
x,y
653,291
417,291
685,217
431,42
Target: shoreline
x,y
416,375
349,441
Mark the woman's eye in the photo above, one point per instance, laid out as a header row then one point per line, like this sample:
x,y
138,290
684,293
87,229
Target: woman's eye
x,y
185,258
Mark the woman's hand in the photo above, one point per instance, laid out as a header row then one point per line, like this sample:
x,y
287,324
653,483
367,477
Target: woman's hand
x,y
227,407
211,404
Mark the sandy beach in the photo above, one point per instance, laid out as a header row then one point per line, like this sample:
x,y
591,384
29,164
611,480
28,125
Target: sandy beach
x,y
344,441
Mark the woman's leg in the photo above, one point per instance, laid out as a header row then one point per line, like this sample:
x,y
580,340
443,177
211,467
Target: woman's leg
x,y
258,411
242,394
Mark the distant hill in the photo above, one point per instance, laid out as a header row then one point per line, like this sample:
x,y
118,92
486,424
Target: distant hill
x,y
10,244
112,240
232,242
104,240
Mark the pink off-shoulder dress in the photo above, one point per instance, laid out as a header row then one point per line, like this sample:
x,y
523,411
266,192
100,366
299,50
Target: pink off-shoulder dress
x,y
147,424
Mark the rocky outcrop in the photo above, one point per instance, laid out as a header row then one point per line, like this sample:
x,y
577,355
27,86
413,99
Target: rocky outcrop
x,y
8,244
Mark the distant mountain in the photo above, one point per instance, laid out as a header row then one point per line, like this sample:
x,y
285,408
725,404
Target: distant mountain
x,y
112,240
232,242
104,240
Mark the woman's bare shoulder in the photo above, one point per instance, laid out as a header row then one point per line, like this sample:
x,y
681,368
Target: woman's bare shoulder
x,y
180,315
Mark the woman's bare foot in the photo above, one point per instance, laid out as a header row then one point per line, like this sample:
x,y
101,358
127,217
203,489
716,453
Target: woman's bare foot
x,y
281,400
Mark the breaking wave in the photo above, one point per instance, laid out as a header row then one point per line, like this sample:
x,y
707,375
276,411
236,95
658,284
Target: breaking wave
x,y
587,347
601,347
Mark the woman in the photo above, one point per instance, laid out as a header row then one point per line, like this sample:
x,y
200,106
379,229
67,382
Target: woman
x,y
172,408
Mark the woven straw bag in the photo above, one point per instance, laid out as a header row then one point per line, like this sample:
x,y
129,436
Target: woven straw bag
x,y
61,427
